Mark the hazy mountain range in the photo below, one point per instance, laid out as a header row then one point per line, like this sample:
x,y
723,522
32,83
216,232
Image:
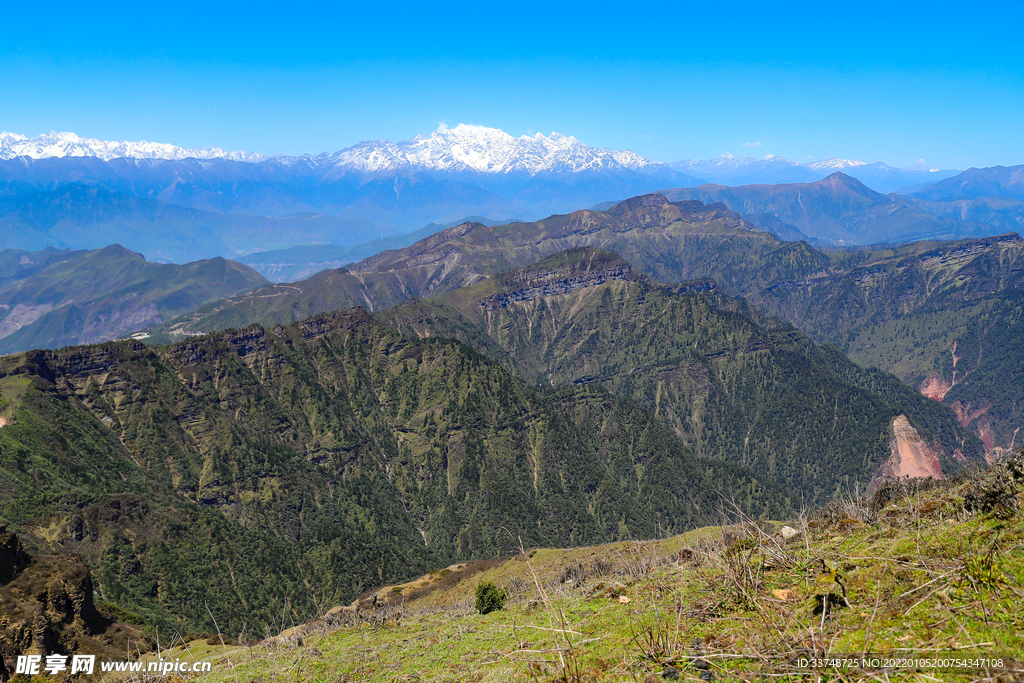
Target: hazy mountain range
x,y
51,298
837,210
465,171
180,205
478,149
879,176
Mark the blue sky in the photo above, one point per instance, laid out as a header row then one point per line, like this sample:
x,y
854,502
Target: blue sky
x,y
894,82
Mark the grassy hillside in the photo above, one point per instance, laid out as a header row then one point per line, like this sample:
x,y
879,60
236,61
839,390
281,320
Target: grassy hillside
x,y
16,264
86,297
266,472
918,573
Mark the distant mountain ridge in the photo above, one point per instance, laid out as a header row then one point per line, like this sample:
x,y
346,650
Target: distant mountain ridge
x,y
648,231
58,299
57,144
836,210
81,216
879,176
146,195
304,261
995,181
463,148
449,174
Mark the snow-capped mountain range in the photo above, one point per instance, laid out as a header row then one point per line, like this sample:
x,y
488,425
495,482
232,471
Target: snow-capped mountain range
x,y
462,148
835,164
473,149
70,145
486,150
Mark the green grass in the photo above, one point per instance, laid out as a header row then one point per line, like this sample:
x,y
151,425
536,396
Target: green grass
x,y
928,575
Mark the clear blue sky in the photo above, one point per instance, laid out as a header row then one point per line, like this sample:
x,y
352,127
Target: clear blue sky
x,y
892,81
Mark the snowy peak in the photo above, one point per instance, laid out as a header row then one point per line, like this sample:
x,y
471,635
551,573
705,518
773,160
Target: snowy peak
x,y
70,145
922,165
464,148
835,164
485,150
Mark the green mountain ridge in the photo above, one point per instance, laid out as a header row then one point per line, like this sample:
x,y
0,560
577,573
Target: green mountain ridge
x,y
268,471
829,295
670,242
86,297
731,384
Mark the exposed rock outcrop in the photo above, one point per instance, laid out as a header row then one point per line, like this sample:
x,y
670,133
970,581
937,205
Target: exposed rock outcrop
x,y
551,284
911,456
46,607
935,386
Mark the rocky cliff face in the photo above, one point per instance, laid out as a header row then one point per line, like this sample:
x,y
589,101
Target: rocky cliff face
x,y
553,283
911,456
47,607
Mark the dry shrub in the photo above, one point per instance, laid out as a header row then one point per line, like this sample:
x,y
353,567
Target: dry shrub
x,y
516,587
600,567
574,574
896,490
686,555
638,560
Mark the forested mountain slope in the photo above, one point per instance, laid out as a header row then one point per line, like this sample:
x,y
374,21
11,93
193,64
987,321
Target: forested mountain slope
x,y
761,395
836,297
265,472
944,317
